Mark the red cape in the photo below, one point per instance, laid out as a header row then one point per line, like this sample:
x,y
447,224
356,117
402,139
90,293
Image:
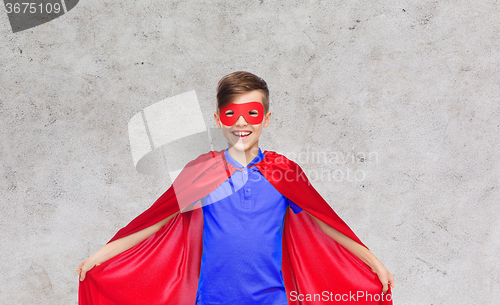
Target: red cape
x,y
164,268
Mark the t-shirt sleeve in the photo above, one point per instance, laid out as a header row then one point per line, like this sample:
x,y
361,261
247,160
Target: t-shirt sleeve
x,y
295,208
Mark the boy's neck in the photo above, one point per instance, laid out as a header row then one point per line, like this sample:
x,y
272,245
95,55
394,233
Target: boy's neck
x,y
243,157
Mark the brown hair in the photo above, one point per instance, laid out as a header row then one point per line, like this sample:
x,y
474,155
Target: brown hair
x,y
237,83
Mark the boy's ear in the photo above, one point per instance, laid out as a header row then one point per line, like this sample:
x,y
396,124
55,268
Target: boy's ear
x,y
267,118
217,120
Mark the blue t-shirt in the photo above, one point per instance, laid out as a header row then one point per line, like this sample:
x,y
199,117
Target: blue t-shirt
x,y
242,240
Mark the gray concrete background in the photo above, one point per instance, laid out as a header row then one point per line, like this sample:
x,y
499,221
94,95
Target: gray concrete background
x,y
416,83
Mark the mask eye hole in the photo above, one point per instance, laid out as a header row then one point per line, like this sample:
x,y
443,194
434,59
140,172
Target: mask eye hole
x,y
229,113
253,113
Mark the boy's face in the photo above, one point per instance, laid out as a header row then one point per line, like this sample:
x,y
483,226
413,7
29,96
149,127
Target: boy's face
x,y
242,135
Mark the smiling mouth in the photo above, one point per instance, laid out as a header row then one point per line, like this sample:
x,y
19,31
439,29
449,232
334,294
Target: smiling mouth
x,y
241,134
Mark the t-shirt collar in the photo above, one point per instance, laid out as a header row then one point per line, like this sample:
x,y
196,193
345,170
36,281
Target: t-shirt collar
x,y
236,164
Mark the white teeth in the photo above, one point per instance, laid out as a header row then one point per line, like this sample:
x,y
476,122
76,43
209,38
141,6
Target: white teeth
x,y
240,134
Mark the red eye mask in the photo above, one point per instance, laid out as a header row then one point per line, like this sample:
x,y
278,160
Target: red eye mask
x,y
247,110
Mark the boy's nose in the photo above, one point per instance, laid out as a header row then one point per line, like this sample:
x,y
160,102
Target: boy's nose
x,y
241,121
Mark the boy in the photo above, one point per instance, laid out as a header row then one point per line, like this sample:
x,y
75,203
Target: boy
x,y
232,254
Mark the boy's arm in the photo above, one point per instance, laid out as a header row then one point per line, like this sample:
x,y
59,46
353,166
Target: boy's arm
x,y
118,246
361,252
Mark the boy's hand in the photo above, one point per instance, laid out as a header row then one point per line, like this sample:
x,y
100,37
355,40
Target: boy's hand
x,y
385,277
85,266
118,246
